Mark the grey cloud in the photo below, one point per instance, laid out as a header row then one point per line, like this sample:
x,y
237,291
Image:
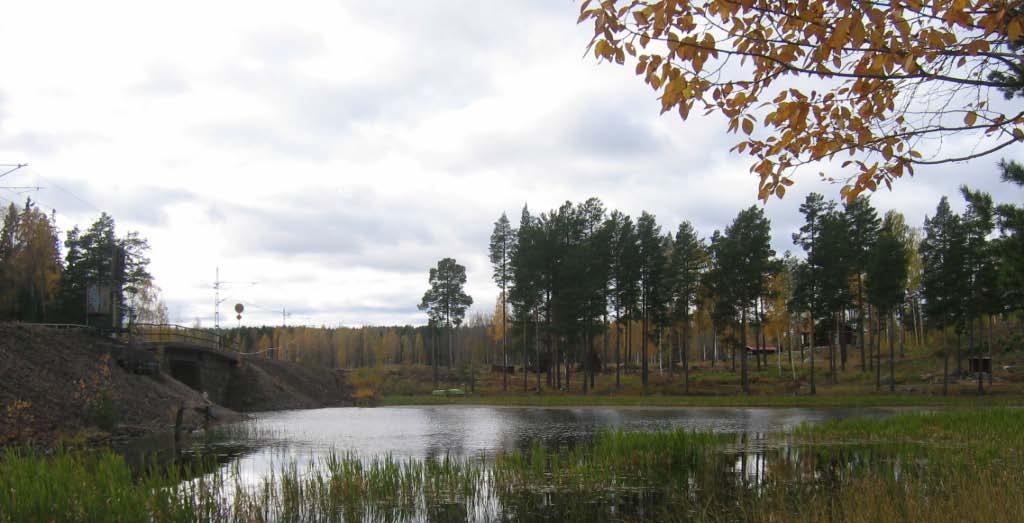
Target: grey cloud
x,y
283,45
356,229
265,135
145,205
437,74
35,143
603,146
162,79
600,130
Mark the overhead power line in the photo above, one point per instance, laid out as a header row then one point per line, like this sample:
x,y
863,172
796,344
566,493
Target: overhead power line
x,y
68,192
11,167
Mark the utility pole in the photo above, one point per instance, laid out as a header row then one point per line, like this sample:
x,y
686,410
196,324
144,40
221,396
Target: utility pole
x,y
216,301
217,286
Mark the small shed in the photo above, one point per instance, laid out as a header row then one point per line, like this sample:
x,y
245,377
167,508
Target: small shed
x,y
767,349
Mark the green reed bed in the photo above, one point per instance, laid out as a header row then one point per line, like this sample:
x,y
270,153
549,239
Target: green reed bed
x,y
96,486
612,460
977,434
887,491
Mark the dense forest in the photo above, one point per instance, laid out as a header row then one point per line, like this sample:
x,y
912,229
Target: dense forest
x,y
585,289
39,284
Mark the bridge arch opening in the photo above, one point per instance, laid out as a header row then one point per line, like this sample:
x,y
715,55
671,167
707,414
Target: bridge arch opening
x,y
187,372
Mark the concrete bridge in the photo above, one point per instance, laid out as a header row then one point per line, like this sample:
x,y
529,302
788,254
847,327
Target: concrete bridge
x,y
195,357
208,363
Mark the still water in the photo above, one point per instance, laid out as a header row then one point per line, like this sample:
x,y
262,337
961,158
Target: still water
x,y
469,431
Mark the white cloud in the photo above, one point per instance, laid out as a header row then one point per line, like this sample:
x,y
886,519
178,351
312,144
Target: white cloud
x,y
333,151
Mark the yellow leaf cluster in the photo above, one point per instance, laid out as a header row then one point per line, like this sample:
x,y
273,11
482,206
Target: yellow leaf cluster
x,y
875,61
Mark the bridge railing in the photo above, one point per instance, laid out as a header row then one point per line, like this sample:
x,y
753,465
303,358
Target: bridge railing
x,y
158,333
164,333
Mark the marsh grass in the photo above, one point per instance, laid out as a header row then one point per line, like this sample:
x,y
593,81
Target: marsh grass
x,y
894,469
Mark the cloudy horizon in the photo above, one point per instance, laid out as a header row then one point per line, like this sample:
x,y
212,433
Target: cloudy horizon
x,y
332,153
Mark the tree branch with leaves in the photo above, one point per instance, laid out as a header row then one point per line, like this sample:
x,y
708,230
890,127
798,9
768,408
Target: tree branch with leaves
x,y
882,83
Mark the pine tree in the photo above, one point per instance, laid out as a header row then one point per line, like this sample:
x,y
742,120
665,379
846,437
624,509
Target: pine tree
x,y
887,281
863,231
1009,247
445,301
743,264
502,241
807,292
525,293
832,257
652,270
623,278
687,262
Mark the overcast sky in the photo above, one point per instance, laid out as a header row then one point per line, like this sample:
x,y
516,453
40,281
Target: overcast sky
x,y
333,151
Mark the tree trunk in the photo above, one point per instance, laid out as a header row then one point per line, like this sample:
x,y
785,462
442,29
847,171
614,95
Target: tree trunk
x,y
892,352
557,363
778,354
991,320
549,350
810,346
643,351
878,354
832,349
526,363
586,362
604,348
757,334
744,378
714,343
902,332
869,320
792,367
673,347
504,341
536,349
433,356
629,340
842,339
686,356
945,371
568,363
959,367
618,352
860,322
451,346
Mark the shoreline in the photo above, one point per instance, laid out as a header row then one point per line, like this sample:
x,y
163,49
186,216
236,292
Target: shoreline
x,y
768,401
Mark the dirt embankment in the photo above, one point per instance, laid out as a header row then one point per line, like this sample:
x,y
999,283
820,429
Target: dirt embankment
x,y
263,384
63,383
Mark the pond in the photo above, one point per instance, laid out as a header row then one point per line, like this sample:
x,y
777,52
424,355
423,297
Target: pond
x,y
501,463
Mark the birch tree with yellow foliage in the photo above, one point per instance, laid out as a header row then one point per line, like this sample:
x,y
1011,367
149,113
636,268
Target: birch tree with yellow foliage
x,y
882,87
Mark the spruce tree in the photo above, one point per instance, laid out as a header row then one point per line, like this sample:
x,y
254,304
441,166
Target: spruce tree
x,y
944,276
